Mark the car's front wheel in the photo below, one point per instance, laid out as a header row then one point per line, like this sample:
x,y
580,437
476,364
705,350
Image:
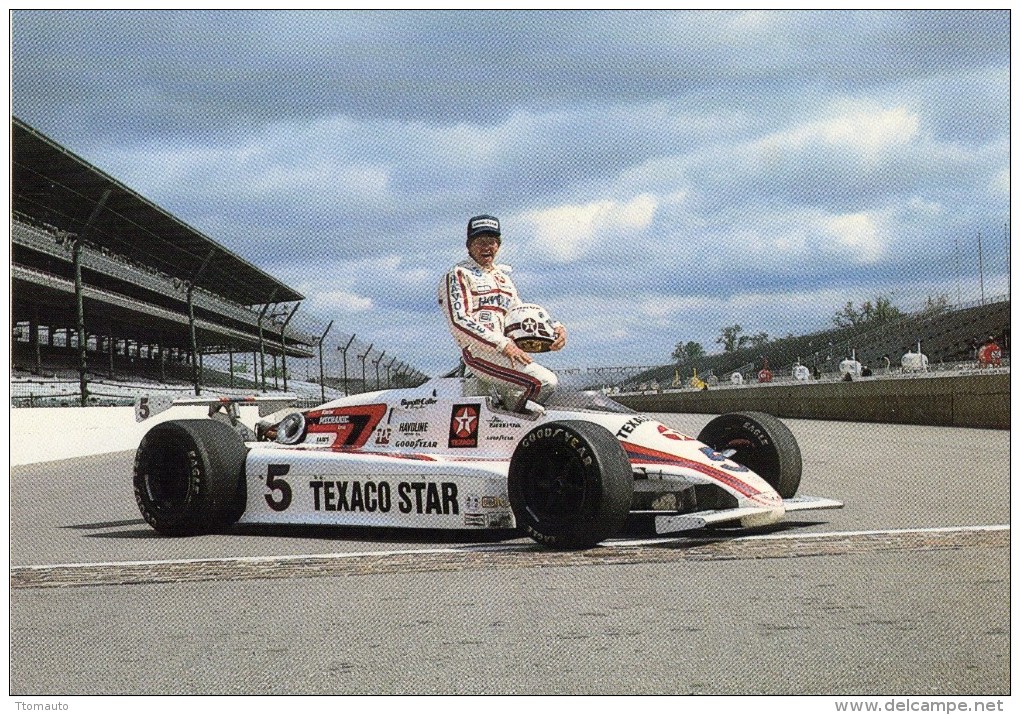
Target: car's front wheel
x,y
571,484
189,477
761,443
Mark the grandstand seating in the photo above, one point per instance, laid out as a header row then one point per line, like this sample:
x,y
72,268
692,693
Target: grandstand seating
x,y
945,337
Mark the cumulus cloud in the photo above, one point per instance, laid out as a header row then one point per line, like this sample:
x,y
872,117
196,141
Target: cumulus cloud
x,y
564,234
659,175
858,234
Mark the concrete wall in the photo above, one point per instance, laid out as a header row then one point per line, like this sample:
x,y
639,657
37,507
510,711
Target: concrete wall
x,y
959,401
48,434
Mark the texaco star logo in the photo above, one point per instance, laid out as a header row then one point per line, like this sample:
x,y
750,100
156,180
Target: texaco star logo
x,y
671,434
465,421
529,324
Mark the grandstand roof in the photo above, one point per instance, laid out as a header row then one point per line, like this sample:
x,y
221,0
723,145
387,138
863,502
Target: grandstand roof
x,y
60,188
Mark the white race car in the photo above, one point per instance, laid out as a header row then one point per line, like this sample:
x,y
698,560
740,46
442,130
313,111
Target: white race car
x,y
445,455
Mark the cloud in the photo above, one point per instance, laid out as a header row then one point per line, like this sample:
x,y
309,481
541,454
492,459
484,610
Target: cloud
x,y
858,234
340,301
659,174
564,234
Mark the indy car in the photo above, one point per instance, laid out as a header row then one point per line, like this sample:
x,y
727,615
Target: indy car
x,y
445,455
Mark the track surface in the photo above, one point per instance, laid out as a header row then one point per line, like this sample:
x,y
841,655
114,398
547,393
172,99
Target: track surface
x,y
917,603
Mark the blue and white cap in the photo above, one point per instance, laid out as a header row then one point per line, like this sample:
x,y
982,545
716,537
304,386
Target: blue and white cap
x,y
481,225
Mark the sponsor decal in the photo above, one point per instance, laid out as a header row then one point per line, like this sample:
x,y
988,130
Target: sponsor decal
x,y
718,457
413,427
418,403
464,426
351,427
561,436
496,422
501,502
672,434
630,425
382,435
499,438
485,223
499,521
371,496
417,443
335,420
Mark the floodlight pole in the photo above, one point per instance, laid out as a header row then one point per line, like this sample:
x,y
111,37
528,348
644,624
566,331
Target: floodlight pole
x,y
388,372
262,349
83,386
344,351
362,358
80,300
283,342
377,368
981,269
322,375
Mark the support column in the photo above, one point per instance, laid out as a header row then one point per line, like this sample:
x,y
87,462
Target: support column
x,y
195,368
283,341
83,386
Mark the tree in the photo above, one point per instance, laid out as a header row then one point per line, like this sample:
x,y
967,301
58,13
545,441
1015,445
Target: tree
x,y
689,353
937,305
758,341
731,339
881,311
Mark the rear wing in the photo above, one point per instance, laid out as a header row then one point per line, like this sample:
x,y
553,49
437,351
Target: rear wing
x,y
148,406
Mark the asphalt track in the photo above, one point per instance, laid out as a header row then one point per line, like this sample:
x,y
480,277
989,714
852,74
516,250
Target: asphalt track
x,y
904,591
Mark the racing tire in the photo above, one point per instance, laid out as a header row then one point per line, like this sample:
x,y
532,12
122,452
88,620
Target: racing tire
x,y
570,484
763,444
189,477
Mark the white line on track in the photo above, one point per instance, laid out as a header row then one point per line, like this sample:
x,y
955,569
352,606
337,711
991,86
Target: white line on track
x,y
477,548
824,534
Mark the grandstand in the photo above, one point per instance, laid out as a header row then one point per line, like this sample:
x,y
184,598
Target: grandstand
x,y
948,337
107,286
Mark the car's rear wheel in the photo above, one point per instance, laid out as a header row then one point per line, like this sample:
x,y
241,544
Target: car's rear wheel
x,y
571,484
762,443
189,477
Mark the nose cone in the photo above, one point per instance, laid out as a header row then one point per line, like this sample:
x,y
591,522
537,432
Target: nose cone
x,y
768,499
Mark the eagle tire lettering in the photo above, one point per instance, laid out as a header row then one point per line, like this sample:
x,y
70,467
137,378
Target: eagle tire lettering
x,y
189,477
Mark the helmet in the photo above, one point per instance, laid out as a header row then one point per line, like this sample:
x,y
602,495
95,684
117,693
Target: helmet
x,y
530,327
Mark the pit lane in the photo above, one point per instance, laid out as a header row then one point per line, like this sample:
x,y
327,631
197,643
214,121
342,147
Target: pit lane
x,y
924,506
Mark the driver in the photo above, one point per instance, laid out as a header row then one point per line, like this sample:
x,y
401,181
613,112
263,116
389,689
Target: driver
x,y
475,296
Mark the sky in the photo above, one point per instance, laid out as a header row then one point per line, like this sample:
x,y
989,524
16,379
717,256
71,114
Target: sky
x,y
658,175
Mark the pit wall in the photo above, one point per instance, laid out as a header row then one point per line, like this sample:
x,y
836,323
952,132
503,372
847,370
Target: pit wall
x,y
958,401
46,434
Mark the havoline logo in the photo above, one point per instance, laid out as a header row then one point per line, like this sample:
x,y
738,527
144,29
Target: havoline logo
x,y
464,426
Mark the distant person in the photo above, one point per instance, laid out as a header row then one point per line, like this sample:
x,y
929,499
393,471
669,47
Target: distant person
x,y
476,295
990,354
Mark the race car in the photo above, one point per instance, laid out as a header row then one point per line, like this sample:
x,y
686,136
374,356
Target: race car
x,y
446,455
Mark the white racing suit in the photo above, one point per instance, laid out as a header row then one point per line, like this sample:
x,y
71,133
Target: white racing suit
x,y
475,302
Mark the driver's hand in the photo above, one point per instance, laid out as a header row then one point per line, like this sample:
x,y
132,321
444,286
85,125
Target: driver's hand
x,y
516,355
561,338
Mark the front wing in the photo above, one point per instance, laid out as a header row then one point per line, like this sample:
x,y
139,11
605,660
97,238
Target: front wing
x,y
746,516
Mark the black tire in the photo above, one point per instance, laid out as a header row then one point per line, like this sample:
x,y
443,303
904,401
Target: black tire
x,y
571,484
189,477
763,444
